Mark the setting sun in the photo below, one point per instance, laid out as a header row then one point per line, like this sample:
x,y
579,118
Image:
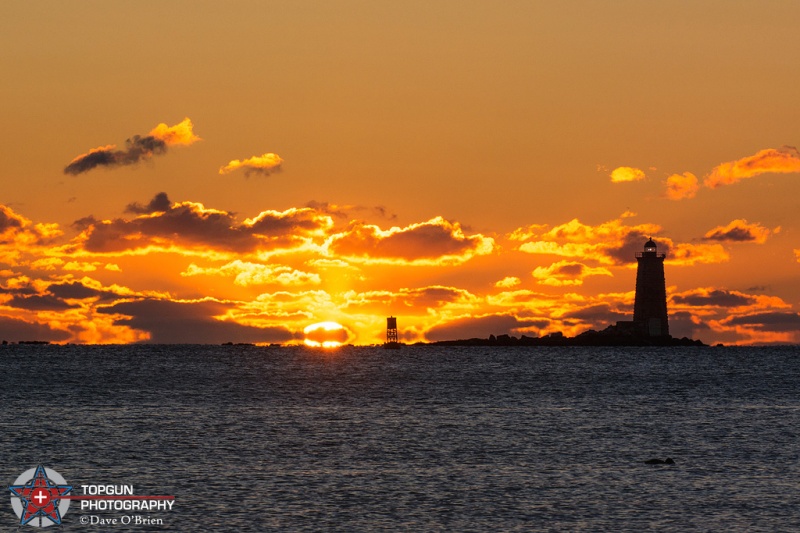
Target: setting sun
x,y
325,335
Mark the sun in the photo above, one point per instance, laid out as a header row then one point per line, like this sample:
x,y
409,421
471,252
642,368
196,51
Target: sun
x,y
327,334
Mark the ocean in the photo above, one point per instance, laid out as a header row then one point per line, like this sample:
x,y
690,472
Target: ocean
x,y
419,439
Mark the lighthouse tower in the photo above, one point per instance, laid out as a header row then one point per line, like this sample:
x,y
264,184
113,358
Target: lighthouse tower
x,y
650,306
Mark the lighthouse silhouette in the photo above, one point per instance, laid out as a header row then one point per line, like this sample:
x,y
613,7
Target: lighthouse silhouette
x,y
650,305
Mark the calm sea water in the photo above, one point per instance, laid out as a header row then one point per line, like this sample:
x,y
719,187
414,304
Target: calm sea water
x,y
419,439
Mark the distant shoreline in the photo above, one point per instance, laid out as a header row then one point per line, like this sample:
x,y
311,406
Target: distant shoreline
x,y
585,339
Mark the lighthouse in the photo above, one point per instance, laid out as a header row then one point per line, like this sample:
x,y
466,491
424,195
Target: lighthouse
x,y
650,305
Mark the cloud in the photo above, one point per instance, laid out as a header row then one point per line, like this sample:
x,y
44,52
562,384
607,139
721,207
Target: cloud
x,y
731,316
613,243
625,174
436,241
191,226
685,254
596,315
680,186
508,282
76,290
738,231
16,330
705,297
247,274
160,202
567,273
180,133
10,223
180,322
684,324
264,165
435,297
19,235
774,321
344,211
783,160
137,148
39,303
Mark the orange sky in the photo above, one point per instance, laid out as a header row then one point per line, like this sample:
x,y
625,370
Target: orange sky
x,y
238,171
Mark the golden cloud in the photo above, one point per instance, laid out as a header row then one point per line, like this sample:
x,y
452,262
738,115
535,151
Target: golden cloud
x,y
783,160
567,273
625,174
19,235
181,133
739,230
611,242
436,241
680,186
246,274
508,282
265,164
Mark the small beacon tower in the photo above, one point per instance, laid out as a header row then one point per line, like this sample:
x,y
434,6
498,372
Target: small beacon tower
x,y
650,305
391,329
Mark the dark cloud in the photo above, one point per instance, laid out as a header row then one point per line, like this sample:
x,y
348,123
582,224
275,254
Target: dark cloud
x,y
772,321
735,234
43,302
170,322
600,315
160,202
191,225
718,298
19,291
633,243
738,231
681,324
137,149
14,330
84,223
570,269
78,291
9,220
482,327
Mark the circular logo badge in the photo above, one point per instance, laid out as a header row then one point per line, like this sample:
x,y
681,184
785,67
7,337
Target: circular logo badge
x,y
37,497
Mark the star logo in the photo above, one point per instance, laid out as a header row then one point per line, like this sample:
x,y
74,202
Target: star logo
x,y
37,494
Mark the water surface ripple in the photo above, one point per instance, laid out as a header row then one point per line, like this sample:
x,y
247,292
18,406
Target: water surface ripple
x,y
418,439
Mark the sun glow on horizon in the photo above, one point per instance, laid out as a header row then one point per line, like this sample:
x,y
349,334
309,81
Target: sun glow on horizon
x,y
326,334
